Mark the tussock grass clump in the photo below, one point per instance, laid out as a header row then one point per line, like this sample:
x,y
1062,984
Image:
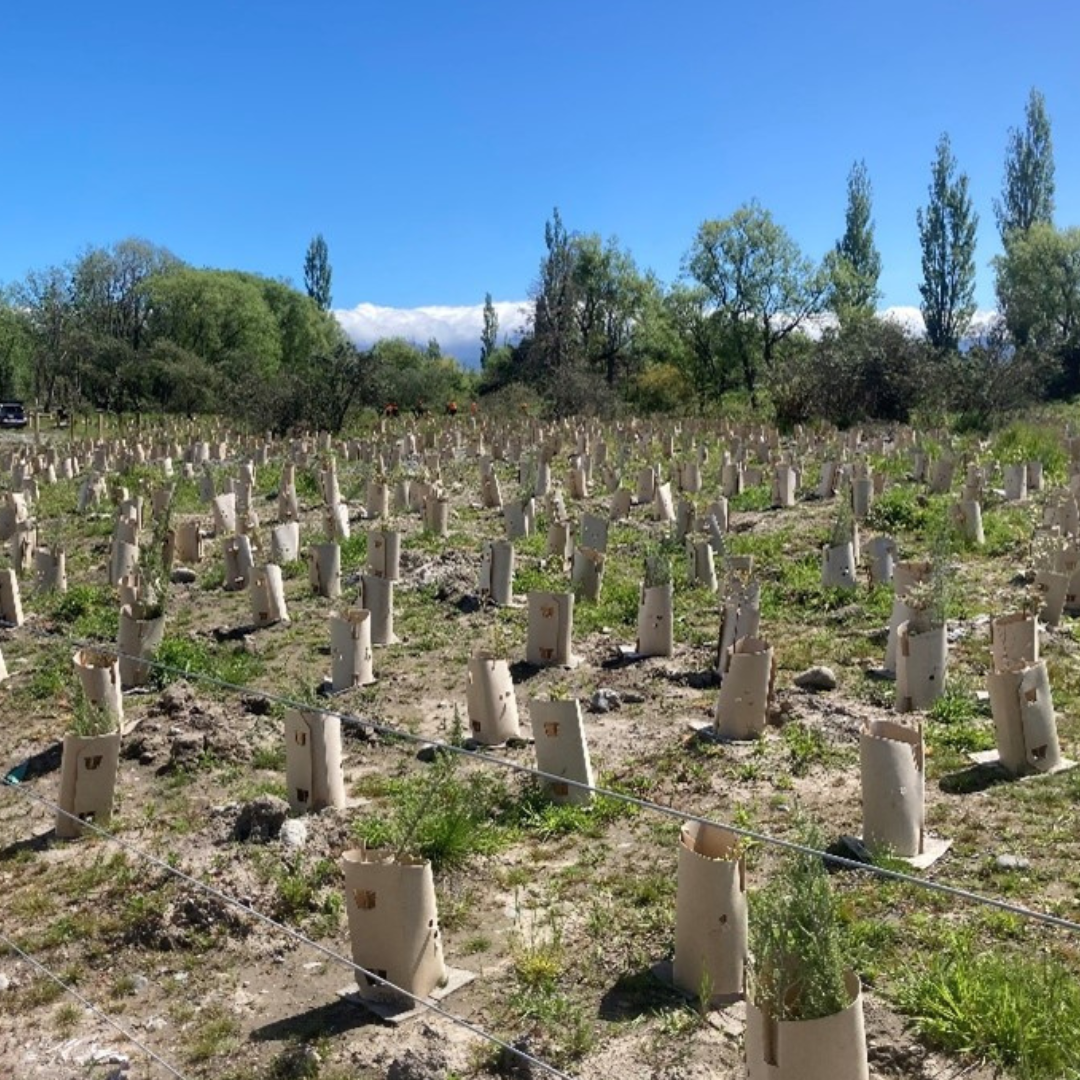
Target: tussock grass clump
x,y
90,610
1022,442
1021,1014
232,664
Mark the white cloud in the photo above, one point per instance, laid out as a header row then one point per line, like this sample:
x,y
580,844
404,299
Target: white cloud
x,y
457,329
911,319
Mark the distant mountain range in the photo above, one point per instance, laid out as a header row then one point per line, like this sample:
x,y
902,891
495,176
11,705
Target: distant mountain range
x,y
457,328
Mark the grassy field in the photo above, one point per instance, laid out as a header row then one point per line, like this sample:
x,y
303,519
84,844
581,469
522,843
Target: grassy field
x,y
563,913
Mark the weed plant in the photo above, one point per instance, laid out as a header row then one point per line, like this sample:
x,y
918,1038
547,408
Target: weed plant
x,y
1021,442
193,657
1022,1014
90,611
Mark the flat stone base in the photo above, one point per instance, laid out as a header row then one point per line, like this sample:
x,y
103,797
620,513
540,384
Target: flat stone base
x,y
991,759
401,1012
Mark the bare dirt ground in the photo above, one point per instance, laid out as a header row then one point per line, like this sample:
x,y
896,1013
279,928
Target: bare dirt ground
x,y
562,923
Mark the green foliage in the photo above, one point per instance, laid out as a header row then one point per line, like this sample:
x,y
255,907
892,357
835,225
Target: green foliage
x,y
16,352
440,815
900,508
302,890
797,940
489,335
761,285
1018,1012
353,551
317,272
91,611
89,719
1038,289
956,722
662,387
856,263
1027,190
757,498
1023,441
865,369
947,229
412,378
616,609
192,656
52,676
535,813
806,746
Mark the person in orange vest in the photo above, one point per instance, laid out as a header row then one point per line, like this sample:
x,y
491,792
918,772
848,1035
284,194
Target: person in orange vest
x,y
451,408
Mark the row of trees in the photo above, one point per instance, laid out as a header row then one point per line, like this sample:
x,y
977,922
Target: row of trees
x,y
131,327
753,312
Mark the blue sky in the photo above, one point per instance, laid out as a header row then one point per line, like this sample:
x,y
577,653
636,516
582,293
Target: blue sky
x,y
429,141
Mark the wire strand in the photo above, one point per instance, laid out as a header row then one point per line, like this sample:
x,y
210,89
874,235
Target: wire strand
x,y
303,939
741,831
538,774
91,1006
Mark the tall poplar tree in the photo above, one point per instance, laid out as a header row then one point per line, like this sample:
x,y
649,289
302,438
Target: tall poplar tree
x,y
855,265
490,333
947,229
1027,190
317,272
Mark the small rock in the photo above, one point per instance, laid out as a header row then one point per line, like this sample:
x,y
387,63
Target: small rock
x,y
818,677
1012,862
851,847
262,819
632,697
183,576
139,983
5,982
294,833
604,700
155,1023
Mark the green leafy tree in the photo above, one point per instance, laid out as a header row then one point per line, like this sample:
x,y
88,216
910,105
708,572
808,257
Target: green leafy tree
x,y
947,235
220,316
317,272
45,298
611,301
1038,287
490,333
1027,192
761,285
695,345
109,290
854,266
553,345
16,351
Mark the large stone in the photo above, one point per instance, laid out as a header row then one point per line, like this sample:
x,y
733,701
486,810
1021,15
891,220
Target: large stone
x,y
1012,862
818,677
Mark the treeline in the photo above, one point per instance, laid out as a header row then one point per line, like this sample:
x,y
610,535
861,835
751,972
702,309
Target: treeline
x,y
132,328
754,316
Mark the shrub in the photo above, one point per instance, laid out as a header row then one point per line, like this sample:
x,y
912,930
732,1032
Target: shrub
x,y
797,940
